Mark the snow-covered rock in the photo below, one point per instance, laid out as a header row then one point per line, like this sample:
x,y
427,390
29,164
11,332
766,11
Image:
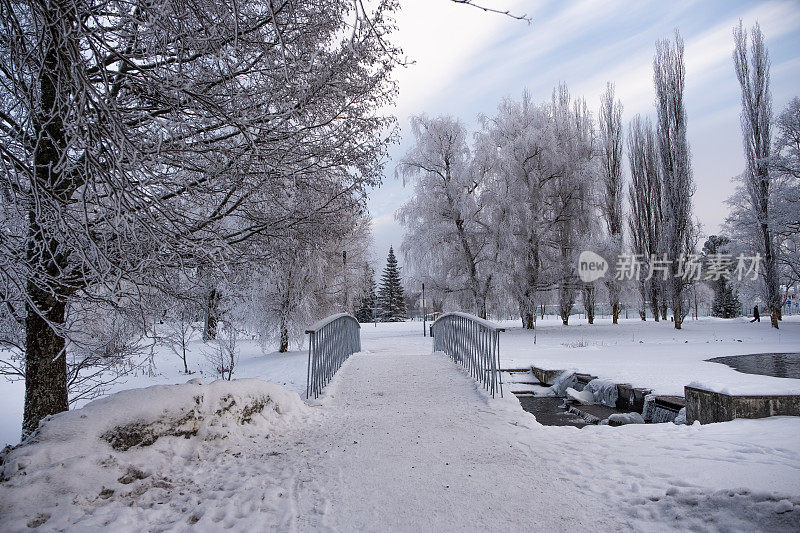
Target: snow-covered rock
x,y
621,419
564,381
583,397
604,391
649,407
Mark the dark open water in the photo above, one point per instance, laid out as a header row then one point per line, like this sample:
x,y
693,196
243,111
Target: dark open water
x,y
779,365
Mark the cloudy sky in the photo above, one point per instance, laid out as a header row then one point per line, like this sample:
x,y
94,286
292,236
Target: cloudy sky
x,y
466,61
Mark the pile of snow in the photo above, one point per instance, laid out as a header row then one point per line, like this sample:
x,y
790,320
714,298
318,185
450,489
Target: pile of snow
x,y
125,442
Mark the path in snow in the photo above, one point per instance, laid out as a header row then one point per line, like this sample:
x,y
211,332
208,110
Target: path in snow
x,y
414,446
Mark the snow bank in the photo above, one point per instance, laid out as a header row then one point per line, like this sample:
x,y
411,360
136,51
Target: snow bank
x,y
113,443
139,417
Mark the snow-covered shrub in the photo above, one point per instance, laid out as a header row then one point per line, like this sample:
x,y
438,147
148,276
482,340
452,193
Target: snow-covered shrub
x,y
224,351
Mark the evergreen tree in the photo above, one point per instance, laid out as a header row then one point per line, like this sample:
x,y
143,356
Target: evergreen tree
x,y
390,296
726,302
366,306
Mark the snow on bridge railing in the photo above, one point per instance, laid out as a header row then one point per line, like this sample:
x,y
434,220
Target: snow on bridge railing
x,y
472,342
331,341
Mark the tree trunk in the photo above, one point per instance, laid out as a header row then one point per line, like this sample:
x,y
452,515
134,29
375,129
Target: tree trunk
x,y
527,320
45,361
212,315
677,312
615,312
527,310
46,391
655,309
284,339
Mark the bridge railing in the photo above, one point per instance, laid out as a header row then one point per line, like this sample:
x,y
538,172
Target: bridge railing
x,y
331,341
472,342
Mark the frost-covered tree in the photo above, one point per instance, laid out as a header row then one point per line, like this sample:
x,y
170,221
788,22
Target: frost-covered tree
x,y
646,214
390,295
365,309
300,279
752,71
571,201
449,238
519,145
669,72
611,142
140,138
786,187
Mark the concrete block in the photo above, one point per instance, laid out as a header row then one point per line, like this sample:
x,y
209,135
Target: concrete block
x,y
709,406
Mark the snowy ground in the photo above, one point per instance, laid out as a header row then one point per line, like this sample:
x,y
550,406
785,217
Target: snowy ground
x,y
656,356
404,440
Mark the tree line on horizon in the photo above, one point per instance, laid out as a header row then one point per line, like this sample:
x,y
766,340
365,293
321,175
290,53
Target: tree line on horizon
x,y
498,218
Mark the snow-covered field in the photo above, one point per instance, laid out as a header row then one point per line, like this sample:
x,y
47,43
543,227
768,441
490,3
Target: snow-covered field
x,y
404,440
655,355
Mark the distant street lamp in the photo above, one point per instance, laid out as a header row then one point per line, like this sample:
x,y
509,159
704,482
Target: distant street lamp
x,y
424,314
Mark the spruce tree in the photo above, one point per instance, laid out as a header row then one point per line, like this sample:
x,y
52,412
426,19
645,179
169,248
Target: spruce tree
x,y
726,302
366,306
390,295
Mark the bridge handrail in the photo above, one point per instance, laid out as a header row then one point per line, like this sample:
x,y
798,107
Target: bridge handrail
x,y
479,320
331,340
474,343
321,323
